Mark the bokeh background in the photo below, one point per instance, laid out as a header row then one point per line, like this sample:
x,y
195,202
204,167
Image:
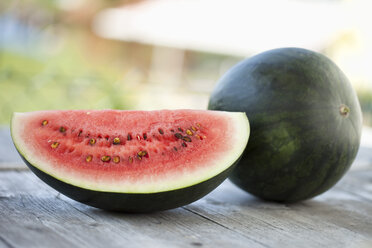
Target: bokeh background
x,y
153,54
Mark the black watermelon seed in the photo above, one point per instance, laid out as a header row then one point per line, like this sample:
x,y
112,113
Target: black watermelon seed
x,y
187,139
178,136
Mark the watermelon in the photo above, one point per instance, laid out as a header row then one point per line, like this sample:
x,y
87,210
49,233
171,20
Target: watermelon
x,y
305,122
133,161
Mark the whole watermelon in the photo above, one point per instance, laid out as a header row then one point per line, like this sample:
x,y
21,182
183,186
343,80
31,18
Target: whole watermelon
x,y
305,122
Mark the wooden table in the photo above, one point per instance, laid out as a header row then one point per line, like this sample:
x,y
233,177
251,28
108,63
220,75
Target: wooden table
x,y
34,215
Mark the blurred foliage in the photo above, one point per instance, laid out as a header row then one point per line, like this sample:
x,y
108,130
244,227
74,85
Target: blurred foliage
x,y
63,82
54,62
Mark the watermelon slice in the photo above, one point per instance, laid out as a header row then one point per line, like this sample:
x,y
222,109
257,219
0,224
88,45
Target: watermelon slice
x,y
134,161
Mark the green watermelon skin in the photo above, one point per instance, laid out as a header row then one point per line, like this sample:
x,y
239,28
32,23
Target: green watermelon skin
x,y
300,143
133,202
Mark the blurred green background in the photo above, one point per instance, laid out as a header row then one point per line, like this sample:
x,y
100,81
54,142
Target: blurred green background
x,y
122,54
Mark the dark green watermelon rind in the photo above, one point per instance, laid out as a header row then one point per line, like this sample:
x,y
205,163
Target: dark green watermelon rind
x,y
133,203
283,128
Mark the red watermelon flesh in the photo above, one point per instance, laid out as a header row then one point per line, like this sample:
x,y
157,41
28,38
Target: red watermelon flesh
x,y
130,151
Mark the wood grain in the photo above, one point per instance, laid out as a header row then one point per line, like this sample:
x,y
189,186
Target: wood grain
x,y
338,218
34,215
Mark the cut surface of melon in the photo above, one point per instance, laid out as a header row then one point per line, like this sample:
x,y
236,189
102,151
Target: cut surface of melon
x,y
145,151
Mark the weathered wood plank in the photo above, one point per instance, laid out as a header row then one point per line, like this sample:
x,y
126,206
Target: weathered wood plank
x,y
8,154
33,215
342,217
9,158
4,243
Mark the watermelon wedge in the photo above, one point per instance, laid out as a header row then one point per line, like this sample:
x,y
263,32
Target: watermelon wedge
x,y
133,161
